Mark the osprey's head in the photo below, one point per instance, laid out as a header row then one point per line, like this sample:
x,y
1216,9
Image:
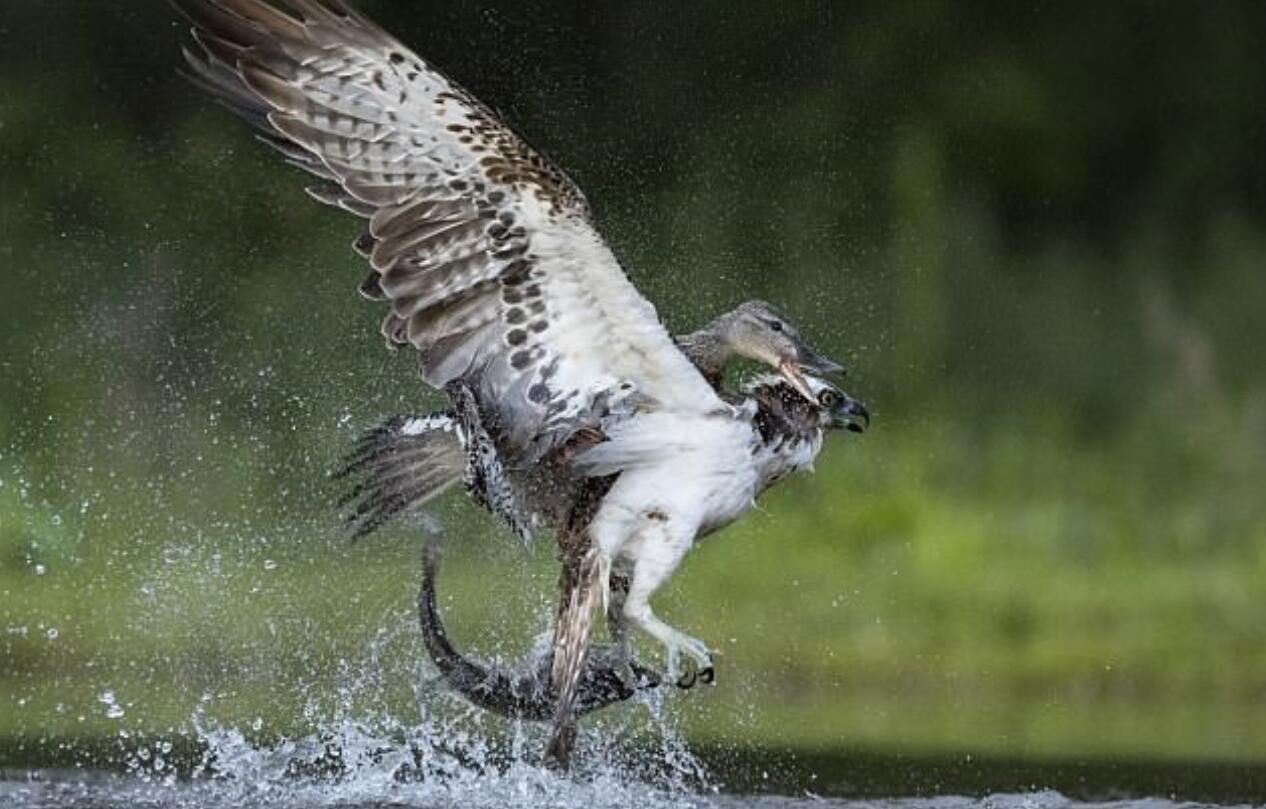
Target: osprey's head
x,y
839,410
758,331
826,408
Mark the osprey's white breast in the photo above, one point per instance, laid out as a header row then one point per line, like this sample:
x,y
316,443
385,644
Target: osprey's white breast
x,y
701,472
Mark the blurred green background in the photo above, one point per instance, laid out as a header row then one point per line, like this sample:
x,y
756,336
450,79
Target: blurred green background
x,y
1036,233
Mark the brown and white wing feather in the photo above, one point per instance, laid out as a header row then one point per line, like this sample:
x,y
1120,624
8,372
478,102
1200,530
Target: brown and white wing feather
x,y
483,249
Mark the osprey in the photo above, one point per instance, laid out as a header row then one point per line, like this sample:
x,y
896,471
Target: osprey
x,y
406,461
488,259
787,433
785,436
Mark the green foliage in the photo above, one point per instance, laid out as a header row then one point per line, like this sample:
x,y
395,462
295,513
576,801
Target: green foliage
x,y
1035,233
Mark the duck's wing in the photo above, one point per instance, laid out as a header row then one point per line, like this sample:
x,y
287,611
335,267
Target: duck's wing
x,y
485,252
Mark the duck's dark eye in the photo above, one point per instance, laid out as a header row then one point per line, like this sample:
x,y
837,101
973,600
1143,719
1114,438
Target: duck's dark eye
x,y
826,398
776,325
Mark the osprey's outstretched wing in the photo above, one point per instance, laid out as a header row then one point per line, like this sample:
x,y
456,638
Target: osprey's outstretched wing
x,y
483,249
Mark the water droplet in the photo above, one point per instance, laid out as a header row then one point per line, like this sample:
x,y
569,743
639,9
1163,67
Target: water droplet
x,y
40,570
51,633
269,564
113,709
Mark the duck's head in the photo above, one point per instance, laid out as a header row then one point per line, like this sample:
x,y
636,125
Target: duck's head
x,y
757,331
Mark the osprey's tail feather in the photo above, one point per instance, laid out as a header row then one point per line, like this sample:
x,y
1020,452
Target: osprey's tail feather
x,y
400,465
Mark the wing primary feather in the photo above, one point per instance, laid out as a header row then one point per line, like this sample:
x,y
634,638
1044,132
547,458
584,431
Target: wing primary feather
x,y
270,18
207,15
460,209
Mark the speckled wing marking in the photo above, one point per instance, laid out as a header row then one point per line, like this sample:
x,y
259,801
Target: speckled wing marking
x,y
483,249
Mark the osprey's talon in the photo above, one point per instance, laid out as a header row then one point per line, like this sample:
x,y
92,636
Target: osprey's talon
x,y
708,675
687,681
696,651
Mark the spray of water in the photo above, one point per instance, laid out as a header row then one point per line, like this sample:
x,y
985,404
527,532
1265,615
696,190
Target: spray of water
x,y
441,758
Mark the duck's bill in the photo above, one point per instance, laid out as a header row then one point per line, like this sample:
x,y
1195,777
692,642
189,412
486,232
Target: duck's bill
x,y
795,377
810,361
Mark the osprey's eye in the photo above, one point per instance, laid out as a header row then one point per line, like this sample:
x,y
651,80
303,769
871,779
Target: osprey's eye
x,y
827,398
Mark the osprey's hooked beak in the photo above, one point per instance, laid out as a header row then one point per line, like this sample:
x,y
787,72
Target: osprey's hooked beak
x,y
848,413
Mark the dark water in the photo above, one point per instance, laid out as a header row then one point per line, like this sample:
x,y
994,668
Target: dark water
x,y
49,790
248,776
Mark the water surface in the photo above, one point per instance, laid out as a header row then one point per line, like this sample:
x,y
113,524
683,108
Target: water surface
x,y
530,790
224,771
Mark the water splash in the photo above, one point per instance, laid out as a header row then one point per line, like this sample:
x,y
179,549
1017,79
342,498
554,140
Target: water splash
x,y
446,755
434,763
